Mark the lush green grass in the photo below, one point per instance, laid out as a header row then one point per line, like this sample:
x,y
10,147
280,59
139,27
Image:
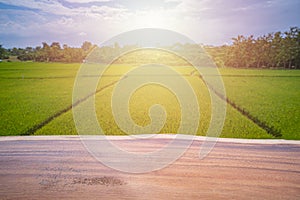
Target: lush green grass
x,y
32,70
271,95
28,97
32,92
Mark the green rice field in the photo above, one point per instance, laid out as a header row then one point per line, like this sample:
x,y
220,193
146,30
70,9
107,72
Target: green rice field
x,y
36,99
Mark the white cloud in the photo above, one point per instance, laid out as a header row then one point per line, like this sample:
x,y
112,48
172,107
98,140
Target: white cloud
x,y
203,20
53,7
187,17
56,8
82,34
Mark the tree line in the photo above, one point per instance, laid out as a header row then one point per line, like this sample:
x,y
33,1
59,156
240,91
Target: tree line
x,y
49,53
273,50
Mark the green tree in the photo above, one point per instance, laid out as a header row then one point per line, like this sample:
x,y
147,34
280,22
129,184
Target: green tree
x,y
3,53
291,47
86,46
55,52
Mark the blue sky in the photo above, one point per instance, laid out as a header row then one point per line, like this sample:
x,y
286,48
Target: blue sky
x,y
31,22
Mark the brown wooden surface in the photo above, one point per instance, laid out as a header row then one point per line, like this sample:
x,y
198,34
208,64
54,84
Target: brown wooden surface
x,y
52,169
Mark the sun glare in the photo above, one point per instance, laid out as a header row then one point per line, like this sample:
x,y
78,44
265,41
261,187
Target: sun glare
x,y
151,19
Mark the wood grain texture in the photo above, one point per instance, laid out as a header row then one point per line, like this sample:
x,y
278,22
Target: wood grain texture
x,y
52,169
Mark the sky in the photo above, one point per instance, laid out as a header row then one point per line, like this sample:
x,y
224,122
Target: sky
x,y
211,22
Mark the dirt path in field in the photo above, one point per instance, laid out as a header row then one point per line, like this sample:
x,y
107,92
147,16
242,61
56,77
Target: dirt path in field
x,y
59,167
35,128
259,122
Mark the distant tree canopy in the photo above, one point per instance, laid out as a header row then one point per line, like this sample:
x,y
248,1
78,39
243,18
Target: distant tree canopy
x,y
3,53
134,54
52,53
269,51
274,50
